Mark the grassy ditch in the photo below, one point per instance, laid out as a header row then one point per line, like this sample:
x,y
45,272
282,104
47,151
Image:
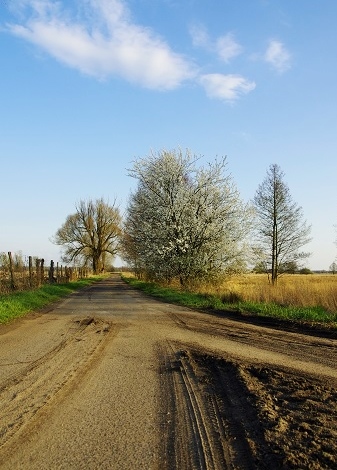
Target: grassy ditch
x,y
233,303
19,303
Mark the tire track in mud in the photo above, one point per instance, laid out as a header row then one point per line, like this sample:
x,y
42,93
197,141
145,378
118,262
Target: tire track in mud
x,y
24,394
207,421
219,413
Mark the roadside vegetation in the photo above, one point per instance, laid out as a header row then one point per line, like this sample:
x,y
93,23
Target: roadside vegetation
x,y
186,225
301,298
187,221
17,304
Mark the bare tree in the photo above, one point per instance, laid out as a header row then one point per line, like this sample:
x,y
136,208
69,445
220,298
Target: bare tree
x,y
281,232
183,221
333,267
91,233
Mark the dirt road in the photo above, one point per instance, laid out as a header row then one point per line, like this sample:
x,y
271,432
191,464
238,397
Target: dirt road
x,y
111,379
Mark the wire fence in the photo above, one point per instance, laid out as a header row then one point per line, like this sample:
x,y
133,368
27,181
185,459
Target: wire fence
x,y
30,272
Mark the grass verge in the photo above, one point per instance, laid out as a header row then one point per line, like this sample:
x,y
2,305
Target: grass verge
x,y
17,304
214,302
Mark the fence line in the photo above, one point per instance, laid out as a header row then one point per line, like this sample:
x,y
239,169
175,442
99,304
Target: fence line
x,y
15,274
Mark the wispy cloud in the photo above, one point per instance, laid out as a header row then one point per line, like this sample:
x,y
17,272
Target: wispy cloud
x,y
101,39
226,87
226,47
112,45
200,37
278,56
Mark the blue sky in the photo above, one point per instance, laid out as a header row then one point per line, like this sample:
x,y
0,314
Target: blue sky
x,y
88,86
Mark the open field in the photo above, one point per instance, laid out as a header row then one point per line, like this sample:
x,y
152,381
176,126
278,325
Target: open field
x,y
292,290
304,298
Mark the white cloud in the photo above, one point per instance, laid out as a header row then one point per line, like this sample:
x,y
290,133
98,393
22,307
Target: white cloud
x,y
200,37
101,39
111,46
226,87
227,47
278,56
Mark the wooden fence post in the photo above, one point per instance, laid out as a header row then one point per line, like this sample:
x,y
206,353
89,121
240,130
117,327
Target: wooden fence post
x,y
13,286
19,276
42,271
30,267
38,271
51,272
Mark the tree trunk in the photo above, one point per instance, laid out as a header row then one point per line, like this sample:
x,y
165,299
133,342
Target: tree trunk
x,y
96,264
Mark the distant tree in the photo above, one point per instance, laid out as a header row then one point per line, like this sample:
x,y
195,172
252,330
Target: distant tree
x,y
260,268
183,221
90,234
4,260
17,260
305,271
280,230
333,267
289,267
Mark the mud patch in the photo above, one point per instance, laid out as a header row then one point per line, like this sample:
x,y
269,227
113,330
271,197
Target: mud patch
x,y
222,414
299,416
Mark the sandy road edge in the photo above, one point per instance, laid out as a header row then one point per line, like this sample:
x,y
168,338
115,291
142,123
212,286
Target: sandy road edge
x,y
24,434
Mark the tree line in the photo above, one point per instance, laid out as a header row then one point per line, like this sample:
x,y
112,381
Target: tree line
x,y
188,222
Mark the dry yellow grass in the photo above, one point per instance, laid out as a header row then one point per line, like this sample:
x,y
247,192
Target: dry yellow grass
x,y
292,290
296,290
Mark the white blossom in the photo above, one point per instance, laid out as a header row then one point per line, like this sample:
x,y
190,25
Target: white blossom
x,y
183,220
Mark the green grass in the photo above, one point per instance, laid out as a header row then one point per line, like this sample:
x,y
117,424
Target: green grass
x,y
212,302
17,304
306,314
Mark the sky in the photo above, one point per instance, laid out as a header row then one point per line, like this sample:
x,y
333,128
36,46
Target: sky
x,y
88,86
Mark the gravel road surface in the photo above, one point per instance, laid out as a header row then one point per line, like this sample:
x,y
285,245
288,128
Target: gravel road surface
x,y
112,379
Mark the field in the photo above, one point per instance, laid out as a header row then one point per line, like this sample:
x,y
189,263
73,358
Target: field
x,y
309,298
292,290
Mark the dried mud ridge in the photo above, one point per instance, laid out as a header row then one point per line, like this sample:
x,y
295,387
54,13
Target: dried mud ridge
x,y
221,414
39,381
270,340
321,330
